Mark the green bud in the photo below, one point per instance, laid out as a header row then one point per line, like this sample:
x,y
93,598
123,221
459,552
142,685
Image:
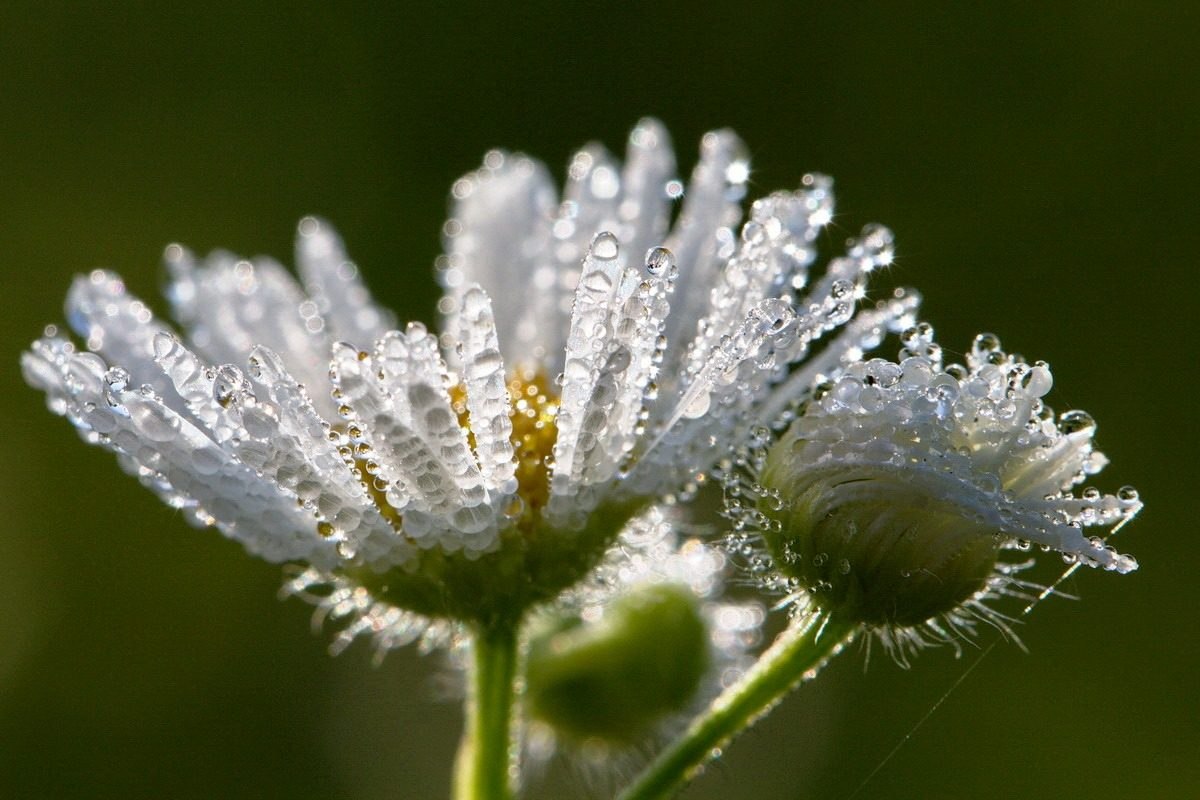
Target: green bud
x,y
869,546
614,679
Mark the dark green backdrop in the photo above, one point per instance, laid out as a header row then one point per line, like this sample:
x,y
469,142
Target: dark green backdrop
x,y
1038,165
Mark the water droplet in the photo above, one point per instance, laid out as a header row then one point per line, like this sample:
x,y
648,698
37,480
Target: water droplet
x,y
738,171
985,343
117,379
605,246
164,343
776,315
228,383
698,406
753,233
1076,422
840,290
660,261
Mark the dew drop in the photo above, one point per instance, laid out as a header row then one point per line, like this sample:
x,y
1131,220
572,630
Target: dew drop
x,y
117,379
1076,422
698,406
163,344
753,233
775,315
660,261
985,343
605,246
228,381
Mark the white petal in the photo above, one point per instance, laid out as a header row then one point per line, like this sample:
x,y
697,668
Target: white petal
x,y
120,327
333,282
703,236
185,467
488,404
498,237
645,208
228,305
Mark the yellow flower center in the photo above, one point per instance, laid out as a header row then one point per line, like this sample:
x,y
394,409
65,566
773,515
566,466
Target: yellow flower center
x,y
533,412
534,415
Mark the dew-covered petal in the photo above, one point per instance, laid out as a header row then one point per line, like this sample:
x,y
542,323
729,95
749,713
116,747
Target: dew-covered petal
x,y
710,412
498,237
703,236
412,373
861,335
645,208
228,305
319,463
590,334
178,461
590,200
488,405
119,327
335,287
418,482
634,358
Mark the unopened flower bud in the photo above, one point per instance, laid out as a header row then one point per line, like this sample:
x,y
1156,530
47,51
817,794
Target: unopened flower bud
x,y
893,497
614,679
872,548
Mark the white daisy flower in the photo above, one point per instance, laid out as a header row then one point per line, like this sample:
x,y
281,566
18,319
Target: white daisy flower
x,y
592,358
892,500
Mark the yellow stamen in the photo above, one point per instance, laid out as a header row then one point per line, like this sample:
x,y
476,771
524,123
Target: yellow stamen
x,y
534,415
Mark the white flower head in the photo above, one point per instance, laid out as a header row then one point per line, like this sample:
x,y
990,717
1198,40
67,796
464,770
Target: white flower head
x,y
893,495
593,357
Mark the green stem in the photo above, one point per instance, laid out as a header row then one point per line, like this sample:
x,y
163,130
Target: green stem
x,y
485,753
795,656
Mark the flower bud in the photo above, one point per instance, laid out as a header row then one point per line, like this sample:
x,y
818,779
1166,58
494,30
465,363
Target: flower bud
x,y
890,500
872,548
613,679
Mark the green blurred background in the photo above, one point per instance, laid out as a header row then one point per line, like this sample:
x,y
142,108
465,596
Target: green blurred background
x,y
1037,161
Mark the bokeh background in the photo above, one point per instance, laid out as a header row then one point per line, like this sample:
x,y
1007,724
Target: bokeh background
x,y
1037,161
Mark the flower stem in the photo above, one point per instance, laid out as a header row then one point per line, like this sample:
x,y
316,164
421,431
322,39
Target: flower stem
x,y
795,656
484,755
